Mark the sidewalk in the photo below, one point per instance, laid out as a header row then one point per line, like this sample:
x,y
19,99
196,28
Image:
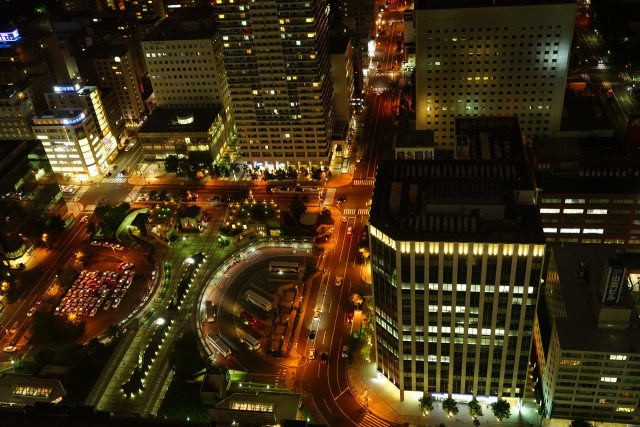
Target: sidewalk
x,y
384,401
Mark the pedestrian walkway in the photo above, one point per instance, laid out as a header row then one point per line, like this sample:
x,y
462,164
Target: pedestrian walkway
x,y
115,180
367,181
349,211
355,212
89,208
363,212
328,198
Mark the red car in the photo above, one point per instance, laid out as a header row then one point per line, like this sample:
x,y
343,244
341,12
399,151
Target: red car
x,y
249,318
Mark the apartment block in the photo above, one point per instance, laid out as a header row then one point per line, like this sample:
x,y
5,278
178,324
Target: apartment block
x,y
277,63
587,339
342,74
72,142
184,59
491,58
457,253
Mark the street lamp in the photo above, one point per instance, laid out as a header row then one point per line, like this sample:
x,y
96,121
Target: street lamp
x,y
44,239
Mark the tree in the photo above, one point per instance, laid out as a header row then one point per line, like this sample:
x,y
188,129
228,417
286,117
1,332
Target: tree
x,y
44,357
297,207
450,406
281,175
292,173
171,163
47,328
355,299
501,409
475,410
185,356
67,276
114,331
110,216
316,173
426,403
163,195
580,423
153,194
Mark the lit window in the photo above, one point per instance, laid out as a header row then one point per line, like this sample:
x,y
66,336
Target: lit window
x,y
574,201
617,357
549,211
573,211
609,379
570,230
550,230
593,231
596,211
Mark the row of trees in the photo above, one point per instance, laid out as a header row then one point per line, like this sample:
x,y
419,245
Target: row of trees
x,y
197,167
501,408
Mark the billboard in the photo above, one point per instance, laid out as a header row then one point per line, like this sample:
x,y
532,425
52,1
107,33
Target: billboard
x,y
614,281
10,36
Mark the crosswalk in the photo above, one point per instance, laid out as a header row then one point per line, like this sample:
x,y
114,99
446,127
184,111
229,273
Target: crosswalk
x,y
371,420
356,212
367,181
278,379
115,180
90,208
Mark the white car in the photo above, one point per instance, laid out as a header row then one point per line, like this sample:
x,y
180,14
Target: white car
x,y
339,280
345,351
10,349
316,315
31,311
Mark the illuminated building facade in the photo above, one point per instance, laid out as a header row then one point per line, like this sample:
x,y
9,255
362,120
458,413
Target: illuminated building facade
x,y
456,254
184,59
277,63
88,98
16,111
587,338
491,58
72,142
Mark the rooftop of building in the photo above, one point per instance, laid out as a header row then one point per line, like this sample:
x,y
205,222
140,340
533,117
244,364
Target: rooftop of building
x,y
62,113
485,195
455,4
107,49
574,149
26,390
177,120
579,329
413,138
583,113
283,405
596,184
187,23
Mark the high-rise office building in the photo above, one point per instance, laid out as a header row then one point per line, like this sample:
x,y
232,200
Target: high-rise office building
x,y
113,66
456,255
491,58
277,63
342,75
184,59
16,111
587,338
72,142
88,98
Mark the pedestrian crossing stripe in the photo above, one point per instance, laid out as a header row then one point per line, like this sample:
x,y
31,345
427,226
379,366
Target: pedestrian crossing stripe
x,y
368,181
90,208
116,180
363,211
349,212
354,212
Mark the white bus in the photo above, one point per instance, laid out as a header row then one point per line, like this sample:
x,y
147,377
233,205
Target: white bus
x,y
259,301
251,342
219,345
211,312
284,267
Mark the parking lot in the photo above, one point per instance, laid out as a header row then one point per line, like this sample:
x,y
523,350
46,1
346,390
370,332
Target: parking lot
x,y
94,290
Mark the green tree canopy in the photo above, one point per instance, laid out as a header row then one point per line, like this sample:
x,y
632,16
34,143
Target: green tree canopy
x,y
47,328
110,216
501,409
475,410
186,357
426,403
450,406
297,207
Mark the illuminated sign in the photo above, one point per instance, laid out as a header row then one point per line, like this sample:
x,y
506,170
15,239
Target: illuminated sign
x,y
65,89
613,285
10,36
75,120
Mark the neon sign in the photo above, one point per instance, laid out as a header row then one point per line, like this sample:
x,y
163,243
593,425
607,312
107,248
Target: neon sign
x,y
75,120
10,36
58,89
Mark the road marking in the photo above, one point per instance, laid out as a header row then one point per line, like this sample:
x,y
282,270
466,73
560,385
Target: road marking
x,y
366,181
327,405
341,393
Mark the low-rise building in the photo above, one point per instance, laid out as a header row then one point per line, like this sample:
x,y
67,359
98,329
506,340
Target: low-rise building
x,y
183,132
16,111
25,390
162,222
587,338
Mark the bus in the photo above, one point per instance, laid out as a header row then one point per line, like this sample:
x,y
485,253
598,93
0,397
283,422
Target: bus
x,y
211,312
219,345
251,342
284,267
258,301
